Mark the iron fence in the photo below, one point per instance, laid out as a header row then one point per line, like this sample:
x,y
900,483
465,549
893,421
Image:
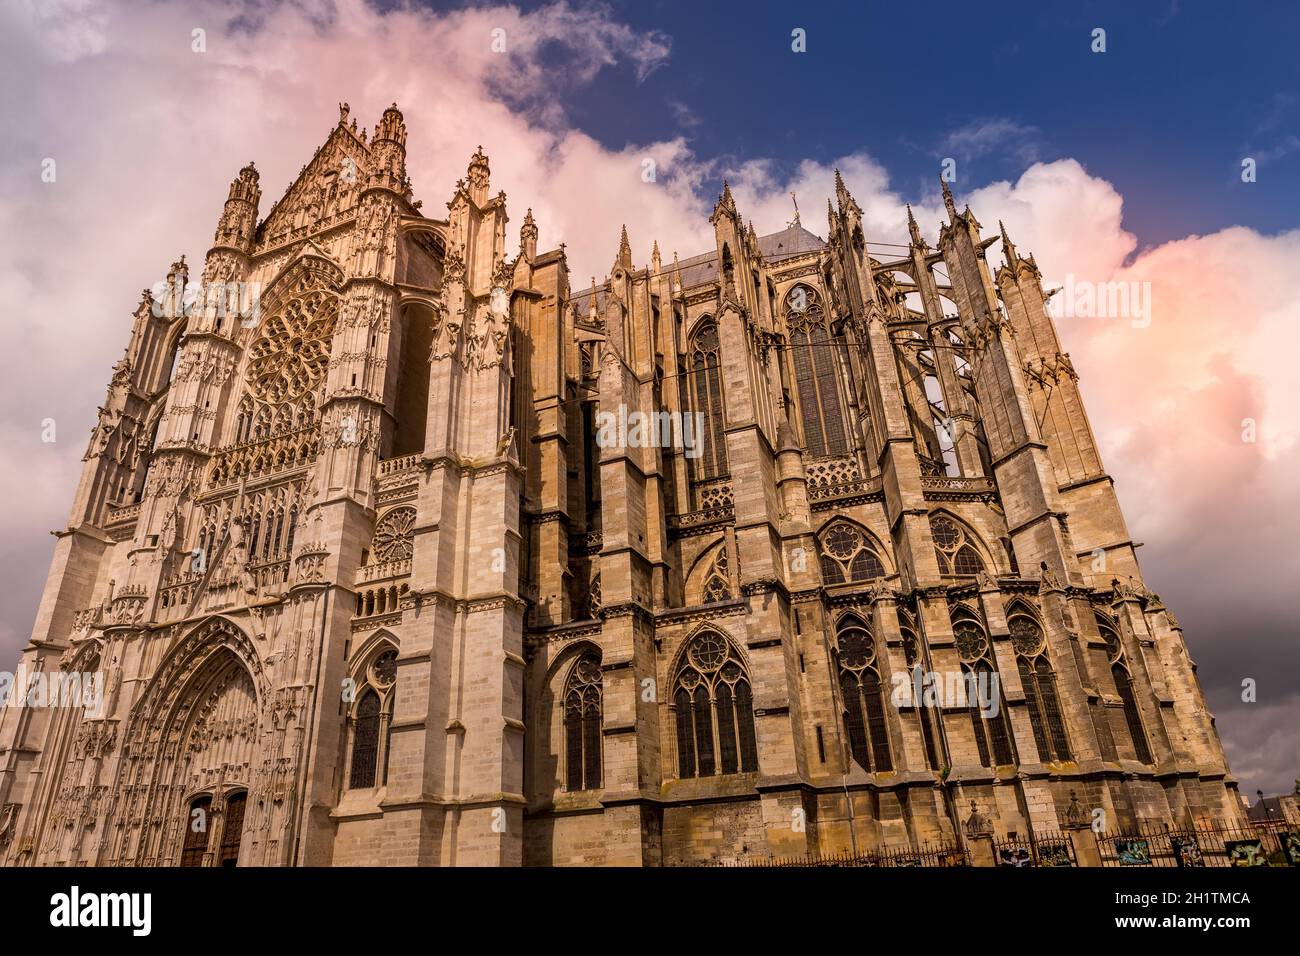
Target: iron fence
x,y
1200,846
922,855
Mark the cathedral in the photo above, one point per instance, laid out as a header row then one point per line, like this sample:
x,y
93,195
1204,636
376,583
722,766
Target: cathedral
x,y
356,573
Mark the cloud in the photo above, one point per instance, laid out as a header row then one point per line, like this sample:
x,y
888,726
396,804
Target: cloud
x,y
147,135
995,136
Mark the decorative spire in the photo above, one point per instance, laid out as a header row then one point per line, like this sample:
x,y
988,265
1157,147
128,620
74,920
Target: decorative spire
x,y
947,200
848,205
1008,247
528,236
726,203
656,261
479,173
913,229
624,250
593,312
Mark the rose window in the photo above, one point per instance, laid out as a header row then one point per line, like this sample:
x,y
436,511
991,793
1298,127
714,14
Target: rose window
x,y
394,536
291,355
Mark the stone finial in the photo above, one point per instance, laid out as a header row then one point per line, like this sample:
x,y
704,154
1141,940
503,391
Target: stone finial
x,y
947,199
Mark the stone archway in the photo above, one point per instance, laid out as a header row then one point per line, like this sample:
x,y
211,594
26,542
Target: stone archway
x,y
196,732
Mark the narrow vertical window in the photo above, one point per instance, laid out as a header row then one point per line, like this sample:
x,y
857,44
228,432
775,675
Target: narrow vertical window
x,y
582,724
864,710
365,741
816,368
705,388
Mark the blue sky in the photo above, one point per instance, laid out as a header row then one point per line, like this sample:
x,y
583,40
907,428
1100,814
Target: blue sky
x,y
1183,92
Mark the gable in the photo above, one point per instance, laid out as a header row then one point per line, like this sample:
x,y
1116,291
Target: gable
x,y
324,192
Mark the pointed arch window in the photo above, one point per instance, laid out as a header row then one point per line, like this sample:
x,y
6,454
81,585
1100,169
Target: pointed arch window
x,y
582,724
1128,698
912,655
862,697
713,708
848,555
1039,683
816,370
992,735
704,385
371,721
954,547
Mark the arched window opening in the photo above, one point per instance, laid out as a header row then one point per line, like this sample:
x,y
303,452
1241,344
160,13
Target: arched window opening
x,y
912,655
992,735
1039,683
704,387
713,709
954,547
372,716
1123,678
848,555
365,742
862,699
816,373
582,724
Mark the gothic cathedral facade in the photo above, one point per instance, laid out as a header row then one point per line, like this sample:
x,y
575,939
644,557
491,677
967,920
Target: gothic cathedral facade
x,y
360,576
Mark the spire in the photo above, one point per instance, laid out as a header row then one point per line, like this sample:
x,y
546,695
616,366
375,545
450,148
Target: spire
x,y
479,173
913,228
848,205
528,236
1008,248
624,250
593,313
726,204
947,199
656,261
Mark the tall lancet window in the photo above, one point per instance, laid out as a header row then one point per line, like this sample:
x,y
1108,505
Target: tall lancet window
x,y
1039,684
582,714
863,697
1119,670
816,371
704,383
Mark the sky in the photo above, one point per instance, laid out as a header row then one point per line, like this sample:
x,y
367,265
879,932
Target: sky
x,y
1121,165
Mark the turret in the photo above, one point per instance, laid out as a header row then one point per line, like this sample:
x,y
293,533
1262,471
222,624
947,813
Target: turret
x,y
239,217
388,153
